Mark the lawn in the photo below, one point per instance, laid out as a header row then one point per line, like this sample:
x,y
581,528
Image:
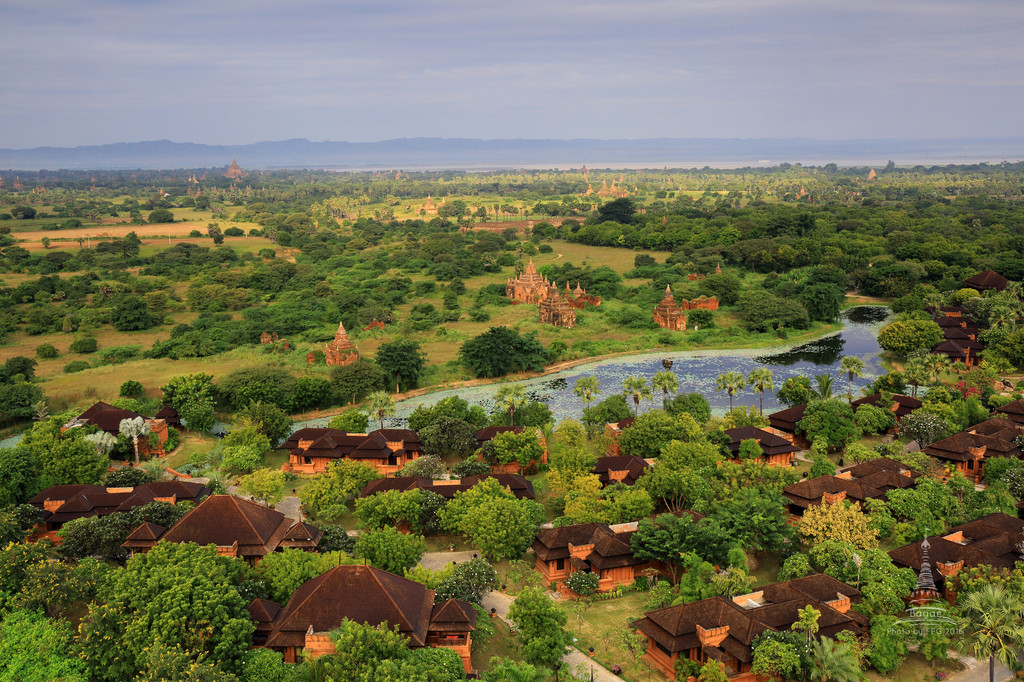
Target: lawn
x,y
501,644
916,669
600,628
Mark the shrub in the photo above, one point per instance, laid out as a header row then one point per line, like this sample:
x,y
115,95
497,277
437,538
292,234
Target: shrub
x,y
583,584
86,344
131,389
234,232
117,355
76,366
47,351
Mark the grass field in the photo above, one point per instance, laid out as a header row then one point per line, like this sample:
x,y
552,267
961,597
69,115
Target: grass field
x,y
600,628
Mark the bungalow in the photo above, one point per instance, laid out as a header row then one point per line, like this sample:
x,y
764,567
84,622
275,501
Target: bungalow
x,y
959,350
311,450
63,503
365,595
613,430
591,548
867,481
776,450
625,469
723,629
236,526
516,484
967,450
989,280
992,540
108,418
486,434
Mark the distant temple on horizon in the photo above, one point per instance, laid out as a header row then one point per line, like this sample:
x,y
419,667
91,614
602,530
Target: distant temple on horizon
x,y
235,171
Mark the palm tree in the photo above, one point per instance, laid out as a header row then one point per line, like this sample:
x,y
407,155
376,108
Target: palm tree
x,y
637,389
761,379
916,369
992,625
511,397
824,382
833,661
666,381
937,364
854,367
382,405
731,382
586,389
134,429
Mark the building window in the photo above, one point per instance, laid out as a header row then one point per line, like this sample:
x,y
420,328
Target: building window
x,y
560,565
970,465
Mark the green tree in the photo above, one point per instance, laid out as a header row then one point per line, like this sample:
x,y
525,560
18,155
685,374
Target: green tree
x,y
508,670
541,627
501,350
991,623
854,367
503,528
326,496
34,648
889,645
730,382
389,550
510,398
760,380
830,421
776,659
357,380
905,337
653,430
666,382
191,395
795,391
509,446
267,418
693,404
286,571
134,428
401,362
166,596
586,389
351,421
64,457
266,485
833,661
381,405
130,314
636,389
449,438
243,449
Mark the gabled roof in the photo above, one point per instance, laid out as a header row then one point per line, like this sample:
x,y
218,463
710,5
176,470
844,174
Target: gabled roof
x,y
785,420
223,520
1014,411
335,444
79,501
360,593
452,615
904,404
771,444
488,433
106,417
517,485
988,279
634,466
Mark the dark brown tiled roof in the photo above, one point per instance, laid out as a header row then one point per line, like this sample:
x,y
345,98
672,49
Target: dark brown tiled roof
x,y
360,593
553,543
223,520
785,420
106,417
517,485
335,444
771,444
488,433
991,540
776,608
452,615
995,435
905,404
873,466
168,414
94,500
634,466
989,279
1014,411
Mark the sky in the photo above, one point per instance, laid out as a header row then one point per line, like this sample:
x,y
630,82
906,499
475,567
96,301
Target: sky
x,y
82,72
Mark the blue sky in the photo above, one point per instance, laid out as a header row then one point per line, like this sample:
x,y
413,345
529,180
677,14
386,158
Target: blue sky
x,y
78,72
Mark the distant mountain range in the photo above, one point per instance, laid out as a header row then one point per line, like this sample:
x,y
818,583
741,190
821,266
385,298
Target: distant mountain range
x,y
429,152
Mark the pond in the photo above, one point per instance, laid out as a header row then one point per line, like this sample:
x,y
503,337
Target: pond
x,y
696,371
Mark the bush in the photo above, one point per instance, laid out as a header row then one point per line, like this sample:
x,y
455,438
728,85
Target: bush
x,y
195,233
47,351
118,355
131,389
76,366
86,344
234,232
583,584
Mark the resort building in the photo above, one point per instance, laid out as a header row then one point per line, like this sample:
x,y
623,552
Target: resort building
x,y
311,450
776,450
867,481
